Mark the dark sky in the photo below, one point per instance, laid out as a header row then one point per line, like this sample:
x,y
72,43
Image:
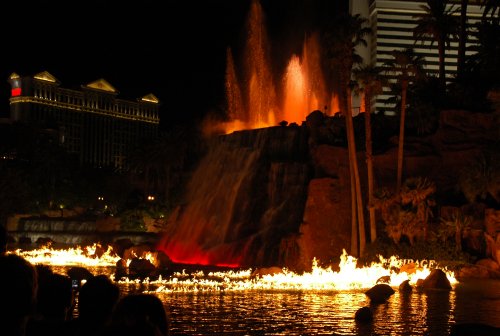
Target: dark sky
x,y
173,49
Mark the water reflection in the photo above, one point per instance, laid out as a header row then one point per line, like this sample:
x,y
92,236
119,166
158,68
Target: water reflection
x,y
478,301
325,312
263,313
331,313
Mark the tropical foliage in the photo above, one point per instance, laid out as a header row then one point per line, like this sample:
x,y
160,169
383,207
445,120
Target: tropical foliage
x,y
480,179
408,213
453,227
486,53
491,9
439,24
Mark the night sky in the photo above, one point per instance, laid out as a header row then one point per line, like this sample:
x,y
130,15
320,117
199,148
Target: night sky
x,y
173,49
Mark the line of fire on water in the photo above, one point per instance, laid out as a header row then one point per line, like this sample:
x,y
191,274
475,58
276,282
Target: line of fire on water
x,y
349,277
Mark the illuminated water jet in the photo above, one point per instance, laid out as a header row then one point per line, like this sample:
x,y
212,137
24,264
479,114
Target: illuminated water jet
x,y
257,96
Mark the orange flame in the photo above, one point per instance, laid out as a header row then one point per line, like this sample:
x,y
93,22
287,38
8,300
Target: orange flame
x,y
349,276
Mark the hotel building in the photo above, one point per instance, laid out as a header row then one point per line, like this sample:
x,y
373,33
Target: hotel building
x,y
91,122
392,23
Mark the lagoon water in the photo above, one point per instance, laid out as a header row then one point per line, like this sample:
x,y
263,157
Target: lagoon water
x,y
329,313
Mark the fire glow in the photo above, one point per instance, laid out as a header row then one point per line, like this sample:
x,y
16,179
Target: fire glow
x,y
78,256
349,276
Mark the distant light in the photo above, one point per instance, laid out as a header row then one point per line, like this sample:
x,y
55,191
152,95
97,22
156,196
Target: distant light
x,y
151,198
16,92
100,198
45,76
150,98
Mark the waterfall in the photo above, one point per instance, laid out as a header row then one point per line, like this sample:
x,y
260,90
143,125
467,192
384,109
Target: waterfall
x,y
246,195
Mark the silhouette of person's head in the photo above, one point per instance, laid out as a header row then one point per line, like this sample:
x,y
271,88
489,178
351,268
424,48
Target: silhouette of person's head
x,y
96,301
18,287
55,294
3,239
53,304
142,313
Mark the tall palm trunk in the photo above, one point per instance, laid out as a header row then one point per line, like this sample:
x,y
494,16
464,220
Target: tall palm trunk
x,y
369,163
354,215
404,88
351,145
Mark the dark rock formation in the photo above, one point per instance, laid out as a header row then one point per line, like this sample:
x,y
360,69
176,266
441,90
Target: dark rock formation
x,y
419,284
364,315
492,233
379,293
436,280
405,287
141,268
325,230
483,269
121,245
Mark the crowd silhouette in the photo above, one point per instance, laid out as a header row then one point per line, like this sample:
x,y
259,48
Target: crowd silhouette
x,y
36,301
18,290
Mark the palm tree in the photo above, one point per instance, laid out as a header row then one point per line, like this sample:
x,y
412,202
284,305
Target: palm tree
x,y
341,39
491,7
370,84
439,24
462,42
405,65
486,53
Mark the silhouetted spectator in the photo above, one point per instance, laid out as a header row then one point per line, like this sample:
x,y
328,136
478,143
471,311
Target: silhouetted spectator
x,y
53,304
139,314
18,287
3,239
96,301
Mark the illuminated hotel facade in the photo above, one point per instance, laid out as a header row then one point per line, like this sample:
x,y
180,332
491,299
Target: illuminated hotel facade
x,y
392,23
91,123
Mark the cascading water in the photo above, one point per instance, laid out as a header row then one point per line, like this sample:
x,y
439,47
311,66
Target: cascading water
x,y
248,193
